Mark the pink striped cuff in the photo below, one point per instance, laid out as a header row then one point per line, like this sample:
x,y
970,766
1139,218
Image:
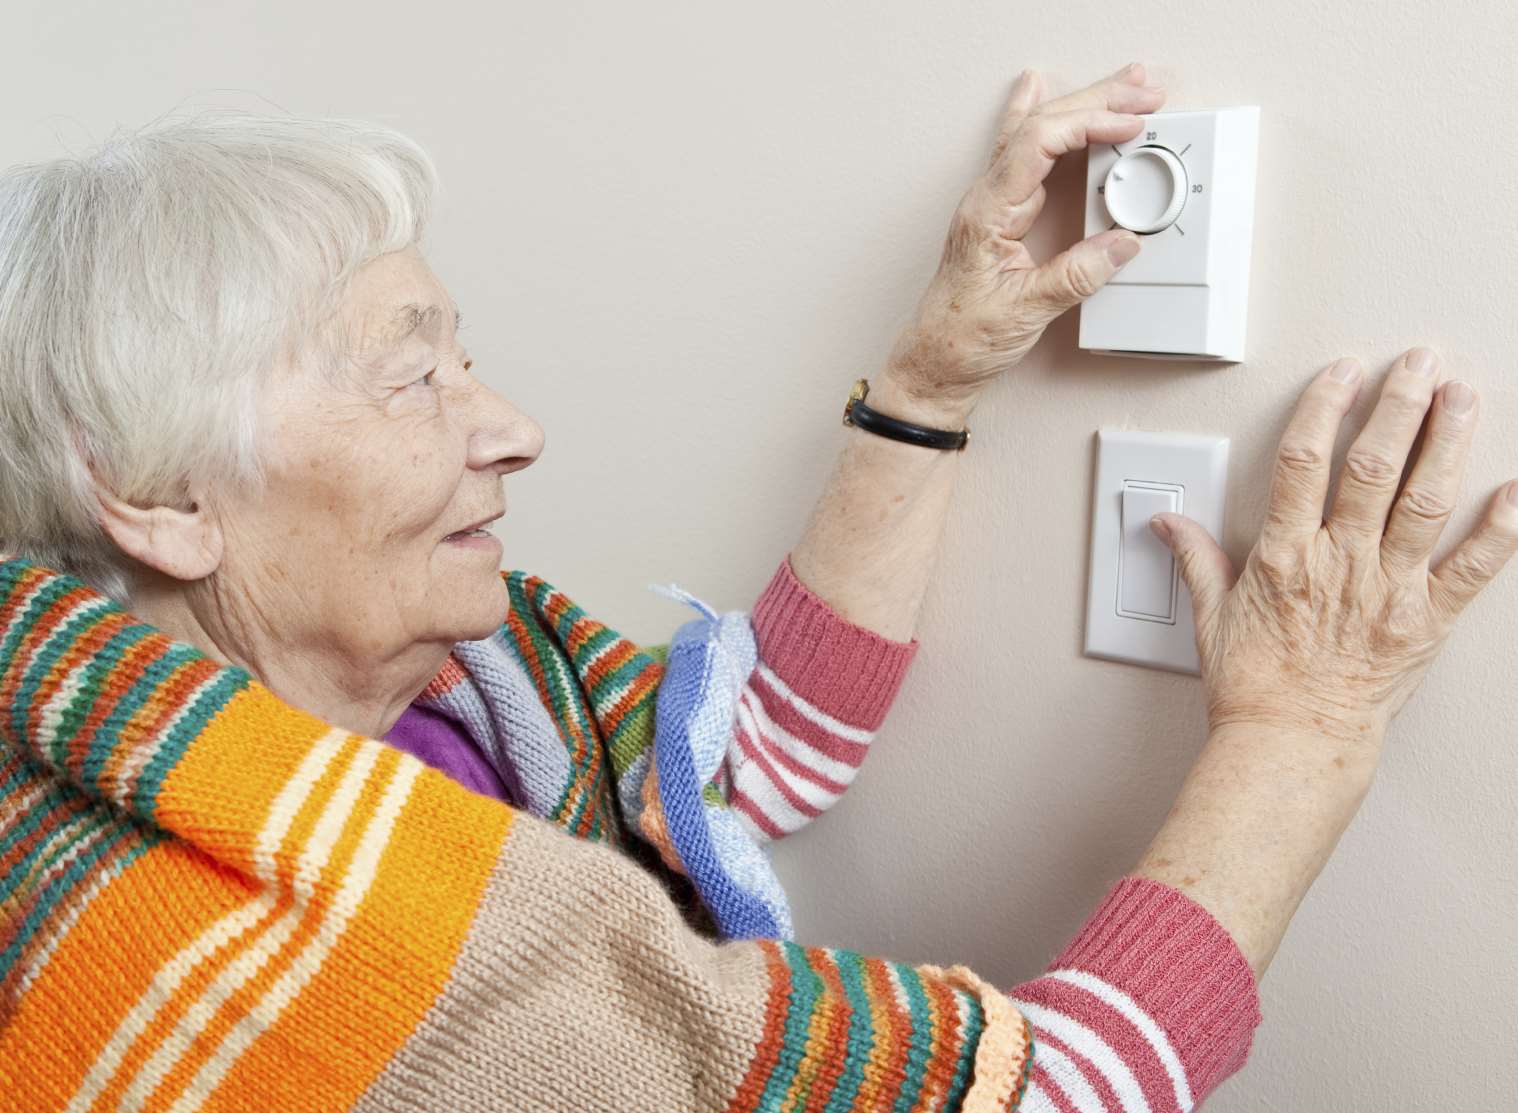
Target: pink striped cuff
x,y
1173,964
847,671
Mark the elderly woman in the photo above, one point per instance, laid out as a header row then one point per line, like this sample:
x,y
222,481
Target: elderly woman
x,y
304,803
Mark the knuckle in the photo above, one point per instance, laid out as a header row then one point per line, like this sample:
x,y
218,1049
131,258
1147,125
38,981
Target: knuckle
x,y
1466,571
1080,280
966,232
1371,468
1502,516
1299,457
1425,504
1277,563
1406,399
1049,134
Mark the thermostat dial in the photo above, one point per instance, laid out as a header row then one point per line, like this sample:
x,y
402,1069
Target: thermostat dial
x,y
1146,189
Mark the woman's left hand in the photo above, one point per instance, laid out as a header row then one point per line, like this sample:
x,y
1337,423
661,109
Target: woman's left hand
x,y
990,300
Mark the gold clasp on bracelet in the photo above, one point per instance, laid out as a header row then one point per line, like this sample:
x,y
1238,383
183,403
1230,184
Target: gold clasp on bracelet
x,y
861,388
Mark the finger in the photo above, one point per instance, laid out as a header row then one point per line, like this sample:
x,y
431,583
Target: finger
x,y
1428,499
1373,466
1205,567
1026,91
1299,483
1075,274
1035,146
1462,575
1127,90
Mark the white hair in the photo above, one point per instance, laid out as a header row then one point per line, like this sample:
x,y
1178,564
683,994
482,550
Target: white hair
x,y
148,288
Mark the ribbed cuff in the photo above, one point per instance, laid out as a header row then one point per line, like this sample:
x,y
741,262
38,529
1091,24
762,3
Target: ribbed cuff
x,y
1172,956
849,672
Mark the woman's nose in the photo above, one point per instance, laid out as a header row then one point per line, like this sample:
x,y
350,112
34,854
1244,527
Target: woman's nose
x,y
504,437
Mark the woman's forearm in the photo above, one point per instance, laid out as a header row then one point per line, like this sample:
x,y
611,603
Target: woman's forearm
x,y
1255,820
873,536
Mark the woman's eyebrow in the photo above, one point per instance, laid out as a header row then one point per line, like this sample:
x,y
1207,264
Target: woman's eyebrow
x,y
409,318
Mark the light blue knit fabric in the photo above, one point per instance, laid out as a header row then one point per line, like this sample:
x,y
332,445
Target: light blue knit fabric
x,y
710,660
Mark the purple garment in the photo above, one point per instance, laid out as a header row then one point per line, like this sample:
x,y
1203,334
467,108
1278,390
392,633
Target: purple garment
x,y
446,746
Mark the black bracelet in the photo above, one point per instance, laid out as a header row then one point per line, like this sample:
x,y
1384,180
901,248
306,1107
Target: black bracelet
x,y
873,421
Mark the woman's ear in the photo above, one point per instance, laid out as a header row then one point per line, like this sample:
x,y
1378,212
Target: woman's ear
x,y
184,544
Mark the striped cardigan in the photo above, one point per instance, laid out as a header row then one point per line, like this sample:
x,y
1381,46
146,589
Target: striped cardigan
x,y
209,898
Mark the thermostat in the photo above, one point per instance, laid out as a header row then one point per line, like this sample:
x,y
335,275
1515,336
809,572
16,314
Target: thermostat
x,y
1185,185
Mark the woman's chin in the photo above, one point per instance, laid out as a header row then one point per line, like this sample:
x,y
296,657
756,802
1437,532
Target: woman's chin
x,y
486,606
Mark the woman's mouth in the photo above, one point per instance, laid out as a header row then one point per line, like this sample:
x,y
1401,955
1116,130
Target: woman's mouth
x,y
481,539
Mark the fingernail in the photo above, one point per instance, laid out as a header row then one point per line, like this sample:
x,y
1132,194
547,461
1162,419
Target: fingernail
x,y
1459,398
1345,371
1161,530
1122,249
1512,493
1421,361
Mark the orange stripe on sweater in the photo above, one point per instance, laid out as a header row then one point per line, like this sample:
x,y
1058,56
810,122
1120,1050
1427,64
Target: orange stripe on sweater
x,y
648,678
812,1050
256,741
830,1032
947,1035
109,846
308,919
192,991
106,961
184,996
370,994
892,1025
767,1051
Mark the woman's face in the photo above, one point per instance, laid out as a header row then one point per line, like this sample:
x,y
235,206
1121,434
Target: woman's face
x,y
355,545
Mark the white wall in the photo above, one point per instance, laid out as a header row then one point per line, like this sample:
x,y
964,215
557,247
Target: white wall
x,y
680,230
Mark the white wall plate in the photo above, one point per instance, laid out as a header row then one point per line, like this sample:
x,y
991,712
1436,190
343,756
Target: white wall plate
x,y
1137,609
1186,184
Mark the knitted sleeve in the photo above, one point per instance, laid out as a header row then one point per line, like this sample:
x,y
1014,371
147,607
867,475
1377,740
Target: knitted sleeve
x,y
1150,1006
807,714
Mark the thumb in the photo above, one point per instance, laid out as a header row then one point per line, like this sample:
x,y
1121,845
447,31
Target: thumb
x,y
1205,567
1075,274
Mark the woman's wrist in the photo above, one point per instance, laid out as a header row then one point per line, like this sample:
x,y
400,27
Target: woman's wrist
x,y
1255,821
897,395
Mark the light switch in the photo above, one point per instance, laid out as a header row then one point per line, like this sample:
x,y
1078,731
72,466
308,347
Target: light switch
x,y
1146,568
1137,607
1186,185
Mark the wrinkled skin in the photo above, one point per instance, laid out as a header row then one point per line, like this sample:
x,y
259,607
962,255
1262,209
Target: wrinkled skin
x,y
990,300
1333,620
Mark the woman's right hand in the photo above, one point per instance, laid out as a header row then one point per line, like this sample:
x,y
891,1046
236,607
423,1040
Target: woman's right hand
x,y
1332,622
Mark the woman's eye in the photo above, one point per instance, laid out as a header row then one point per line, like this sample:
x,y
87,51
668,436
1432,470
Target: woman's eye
x,y
426,380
